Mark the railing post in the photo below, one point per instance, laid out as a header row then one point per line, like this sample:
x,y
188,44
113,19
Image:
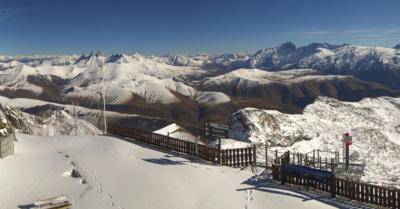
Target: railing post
x,y
313,158
333,181
283,176
276,156
255,154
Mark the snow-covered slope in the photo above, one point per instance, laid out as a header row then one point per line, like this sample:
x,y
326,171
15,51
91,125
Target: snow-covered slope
x,y
125,74
373,123
201,59
324,57
374,64
123,175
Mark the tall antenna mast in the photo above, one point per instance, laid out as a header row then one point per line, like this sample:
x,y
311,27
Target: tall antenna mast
x,y
104,100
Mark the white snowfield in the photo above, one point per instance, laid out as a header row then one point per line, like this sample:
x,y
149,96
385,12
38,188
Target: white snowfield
x,y
256,77
373,124
121,174
325,56
125,74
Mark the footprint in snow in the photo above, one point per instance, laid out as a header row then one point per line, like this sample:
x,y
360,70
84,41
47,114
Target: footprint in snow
x,y
115,151
100,183
109,196
121,207
249,192
95,178
127,154
100,190
91,172
249,198
111,203
103,150
245,206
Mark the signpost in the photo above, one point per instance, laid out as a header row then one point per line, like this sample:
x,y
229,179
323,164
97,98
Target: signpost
x,y
347,140
219,131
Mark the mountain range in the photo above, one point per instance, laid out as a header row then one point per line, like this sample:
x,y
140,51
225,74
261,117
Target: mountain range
x,y
192,89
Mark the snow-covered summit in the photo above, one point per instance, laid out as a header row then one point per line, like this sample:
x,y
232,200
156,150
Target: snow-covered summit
x,y
324,57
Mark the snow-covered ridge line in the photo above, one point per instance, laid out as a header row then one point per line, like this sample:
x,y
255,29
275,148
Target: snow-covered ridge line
x,y
325,57
261,77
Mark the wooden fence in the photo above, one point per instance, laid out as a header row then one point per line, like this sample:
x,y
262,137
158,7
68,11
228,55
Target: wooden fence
x,y
230,157
238,157
361,192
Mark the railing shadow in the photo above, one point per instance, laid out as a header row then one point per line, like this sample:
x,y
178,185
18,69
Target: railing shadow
x,y
264,183
168,153
27,206
164,161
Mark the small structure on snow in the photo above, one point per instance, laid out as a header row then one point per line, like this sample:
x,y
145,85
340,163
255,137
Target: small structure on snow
x,y
178,132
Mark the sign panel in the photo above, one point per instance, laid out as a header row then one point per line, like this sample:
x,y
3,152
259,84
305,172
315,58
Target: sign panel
x,y
347,139
219,126
217,130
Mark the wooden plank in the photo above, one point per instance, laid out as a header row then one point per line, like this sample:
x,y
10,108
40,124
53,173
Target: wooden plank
x,y
251,155
230,158
246,157
241,157
385,197
234,158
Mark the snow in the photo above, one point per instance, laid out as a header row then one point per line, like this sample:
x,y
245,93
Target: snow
x,y
124,75
373,124
212,98
172,131
325,56
143,177
255,77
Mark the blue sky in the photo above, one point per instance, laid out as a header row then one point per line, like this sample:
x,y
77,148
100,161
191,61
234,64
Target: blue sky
x,y
148,27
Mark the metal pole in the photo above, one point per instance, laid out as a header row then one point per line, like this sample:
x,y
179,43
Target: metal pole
x,y
266,154
347,157
219,152
104,101
313,158
74,117
56,121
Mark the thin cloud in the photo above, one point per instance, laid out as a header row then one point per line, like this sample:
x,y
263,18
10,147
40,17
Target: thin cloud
x,y
6,13
109,31
360,33
384,39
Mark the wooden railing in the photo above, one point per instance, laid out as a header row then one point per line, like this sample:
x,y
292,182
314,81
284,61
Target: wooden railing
x,y
230,157
238,157
353,190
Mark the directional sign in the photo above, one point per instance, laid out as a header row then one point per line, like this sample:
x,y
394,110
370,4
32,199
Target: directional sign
x,y
217,130
219,135
219,126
